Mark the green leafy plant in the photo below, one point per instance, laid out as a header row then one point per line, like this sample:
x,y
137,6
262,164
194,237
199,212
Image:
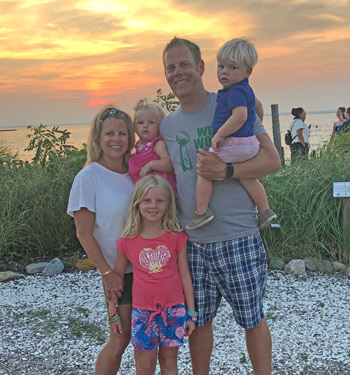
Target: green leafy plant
x,y
48,143
167,101
271,316
8,159
33,201
243,358
79,328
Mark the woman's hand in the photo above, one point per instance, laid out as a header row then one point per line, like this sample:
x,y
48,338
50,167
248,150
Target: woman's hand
x,y
114,286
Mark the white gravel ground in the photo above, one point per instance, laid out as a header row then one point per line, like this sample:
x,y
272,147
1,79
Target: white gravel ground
x,y
52,326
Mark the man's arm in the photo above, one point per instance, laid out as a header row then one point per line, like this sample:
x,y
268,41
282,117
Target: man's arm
x,y
265,162
259,109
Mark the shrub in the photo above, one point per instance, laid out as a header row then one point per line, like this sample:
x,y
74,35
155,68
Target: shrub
x,y
33,201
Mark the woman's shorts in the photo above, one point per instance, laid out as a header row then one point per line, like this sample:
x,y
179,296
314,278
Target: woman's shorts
x,y
126,298
237,150
163,327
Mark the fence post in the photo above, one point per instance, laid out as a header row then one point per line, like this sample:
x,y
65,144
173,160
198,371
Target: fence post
x,y
342,190
346,227
276,131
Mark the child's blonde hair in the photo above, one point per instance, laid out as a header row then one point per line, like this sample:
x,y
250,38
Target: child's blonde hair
x,y
145,104
170,222
240,50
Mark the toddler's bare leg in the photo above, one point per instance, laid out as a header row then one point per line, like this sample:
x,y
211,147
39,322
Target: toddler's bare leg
x,y
204,189
257,193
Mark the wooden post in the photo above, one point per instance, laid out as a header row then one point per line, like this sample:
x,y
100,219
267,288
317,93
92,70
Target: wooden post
x,y
276,131
346,227
342,190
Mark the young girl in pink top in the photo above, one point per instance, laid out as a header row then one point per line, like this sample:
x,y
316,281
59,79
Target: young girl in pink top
x,y
151,155
162,293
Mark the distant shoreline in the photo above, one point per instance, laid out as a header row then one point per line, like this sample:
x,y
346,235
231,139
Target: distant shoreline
x,y
8,130
14,127
10,127
308,112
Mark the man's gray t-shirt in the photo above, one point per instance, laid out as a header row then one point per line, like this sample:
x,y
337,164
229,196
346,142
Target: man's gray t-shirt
x,y
235,212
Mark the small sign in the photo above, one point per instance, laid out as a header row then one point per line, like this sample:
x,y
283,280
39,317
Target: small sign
x,y
341,189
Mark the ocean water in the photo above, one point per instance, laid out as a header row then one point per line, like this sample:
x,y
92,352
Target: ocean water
x,y
321,130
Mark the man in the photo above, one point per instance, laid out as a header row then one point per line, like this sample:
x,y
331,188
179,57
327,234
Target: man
x,y
226,257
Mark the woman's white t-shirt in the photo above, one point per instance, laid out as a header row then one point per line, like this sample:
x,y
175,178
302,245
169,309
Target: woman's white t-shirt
x,y
107,194
299,124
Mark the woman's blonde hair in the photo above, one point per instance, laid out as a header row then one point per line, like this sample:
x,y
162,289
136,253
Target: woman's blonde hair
x,y
93,148
170,222
145,104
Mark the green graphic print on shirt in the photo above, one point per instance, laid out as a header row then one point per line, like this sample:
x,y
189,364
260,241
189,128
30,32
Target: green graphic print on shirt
x,y
203,141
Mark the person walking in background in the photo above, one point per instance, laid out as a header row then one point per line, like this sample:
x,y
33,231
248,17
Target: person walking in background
x,y
341,114
163,302
226,257
300,134
233,129
98,201
151,155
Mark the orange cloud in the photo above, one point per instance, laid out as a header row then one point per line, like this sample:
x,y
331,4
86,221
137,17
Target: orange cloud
x,y
89,52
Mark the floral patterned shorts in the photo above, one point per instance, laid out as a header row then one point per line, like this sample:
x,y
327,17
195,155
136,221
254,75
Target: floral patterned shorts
x,y
164,326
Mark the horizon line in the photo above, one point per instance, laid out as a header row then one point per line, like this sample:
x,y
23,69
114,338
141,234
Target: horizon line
x,y
87,123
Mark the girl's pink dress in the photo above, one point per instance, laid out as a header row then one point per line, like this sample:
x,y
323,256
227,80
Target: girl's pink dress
x,y
144,154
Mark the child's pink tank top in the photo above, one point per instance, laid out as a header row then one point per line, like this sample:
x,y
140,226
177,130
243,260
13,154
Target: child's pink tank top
x,y
144,154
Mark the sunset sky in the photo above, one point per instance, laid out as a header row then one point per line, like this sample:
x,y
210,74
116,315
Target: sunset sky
x,y
60,61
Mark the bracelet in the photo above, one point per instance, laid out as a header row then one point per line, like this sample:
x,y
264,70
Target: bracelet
x,y
192,313
229,170
106,273
192,319
113,320
192,316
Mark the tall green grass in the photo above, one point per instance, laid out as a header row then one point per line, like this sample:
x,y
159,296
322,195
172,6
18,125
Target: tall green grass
x,y
302,196
33,203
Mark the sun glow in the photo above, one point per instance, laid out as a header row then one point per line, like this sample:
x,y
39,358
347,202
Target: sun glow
x,y
91,51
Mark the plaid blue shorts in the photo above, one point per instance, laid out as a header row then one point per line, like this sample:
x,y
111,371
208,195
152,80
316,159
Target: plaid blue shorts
x,y
165,327
235,270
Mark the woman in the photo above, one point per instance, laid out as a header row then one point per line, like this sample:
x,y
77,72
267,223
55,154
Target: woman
x,y
98,201
341,118
347,113
300,134
345,126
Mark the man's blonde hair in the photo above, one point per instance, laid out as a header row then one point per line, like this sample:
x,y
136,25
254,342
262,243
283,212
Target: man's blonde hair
x,y
180,42
133,224
239,50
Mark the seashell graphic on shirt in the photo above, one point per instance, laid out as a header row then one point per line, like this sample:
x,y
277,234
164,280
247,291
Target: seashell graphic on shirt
x,y
154,259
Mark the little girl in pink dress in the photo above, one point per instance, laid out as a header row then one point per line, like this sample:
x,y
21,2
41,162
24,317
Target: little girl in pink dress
x,y
151,155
